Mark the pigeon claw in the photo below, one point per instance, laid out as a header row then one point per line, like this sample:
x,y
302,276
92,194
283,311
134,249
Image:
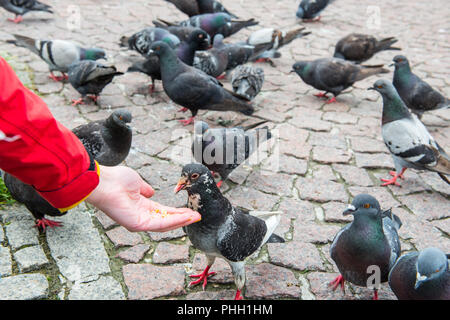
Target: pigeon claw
x,y
338,281
202,277
77,102
313,20
321,95
331,100
43,223
375,294
219,184
395,176
183,110
238,295
18,19
58,79
222,76
187,121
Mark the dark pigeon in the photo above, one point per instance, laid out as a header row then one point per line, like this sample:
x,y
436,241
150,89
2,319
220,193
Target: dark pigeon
x,y
213,61
370,240
309,10
198,40
58,54
409,142
192,88
421,275
224,231
418,95
232,145
90,77
21,7
182,33
141,41
196,7
215,23
247,81
333,75
107,141
358,47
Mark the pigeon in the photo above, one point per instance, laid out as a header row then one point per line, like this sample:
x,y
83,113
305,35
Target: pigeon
x,y
21,7
421,275
142,40
333,75
198,40
309,10
268,40
58,54
38,206
358,47
213,61
418,95
192,88
224,231
247,81
90,77
107,140
407,139
223,149
370,240
182,33
196,7
215,23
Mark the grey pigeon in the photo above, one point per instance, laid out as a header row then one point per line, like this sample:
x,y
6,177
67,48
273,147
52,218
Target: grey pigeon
x,y
333,75
418,95
214,23
421,275
358,47
196,7
21,7
309,10
223,149
182,33
267,41
192,88
370,240
198,40
247,81
409,142
141,41
90,77
58,54
107,140
224,231
213,61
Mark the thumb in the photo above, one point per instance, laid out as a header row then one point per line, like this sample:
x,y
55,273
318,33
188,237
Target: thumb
x,y
146,190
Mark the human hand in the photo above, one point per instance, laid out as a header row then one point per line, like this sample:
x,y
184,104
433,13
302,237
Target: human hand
x,y
123,195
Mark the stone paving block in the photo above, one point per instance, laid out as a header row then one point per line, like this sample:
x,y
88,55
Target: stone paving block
x,y
331,155
320,190
314,233
21,233
428,206
5,262
30,258
374,160
353,175
135,253
169,235
167,253
24,287
121,237
297,255
146,281
105,288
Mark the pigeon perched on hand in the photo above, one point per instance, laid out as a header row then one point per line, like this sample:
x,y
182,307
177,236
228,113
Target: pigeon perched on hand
x,y
223,149
192,88
224,231
418,95
141,41
107,140
196,7
358,47
333,75
90,77
421,275
309,10
21,7
247,81
198,40
215,23
58,54
409,142
370,240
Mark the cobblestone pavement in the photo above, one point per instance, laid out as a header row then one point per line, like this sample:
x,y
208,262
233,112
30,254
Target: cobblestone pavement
x,y
324,155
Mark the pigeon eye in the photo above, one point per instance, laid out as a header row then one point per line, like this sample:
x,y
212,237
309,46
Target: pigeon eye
x,y
195,175
437,270
121,118
200,36
379,87
367,206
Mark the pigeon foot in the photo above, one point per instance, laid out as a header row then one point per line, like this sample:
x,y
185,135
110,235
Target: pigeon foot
x,y
338,281
321,95
187,121
313,20
203,277
375,294
58,79
238,295
77,102
394,179
222,76
331,100
183,110
18,19
44,223
219,184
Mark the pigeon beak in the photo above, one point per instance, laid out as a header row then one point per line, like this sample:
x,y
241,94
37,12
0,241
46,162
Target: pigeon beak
x,y
371,88
350,210
292,71
392,64
181,185
419,280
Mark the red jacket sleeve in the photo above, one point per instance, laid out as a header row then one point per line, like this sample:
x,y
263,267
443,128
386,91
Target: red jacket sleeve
x,y
47,155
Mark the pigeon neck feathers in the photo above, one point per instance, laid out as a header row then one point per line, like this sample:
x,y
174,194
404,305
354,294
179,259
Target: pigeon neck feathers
x,y
394,108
